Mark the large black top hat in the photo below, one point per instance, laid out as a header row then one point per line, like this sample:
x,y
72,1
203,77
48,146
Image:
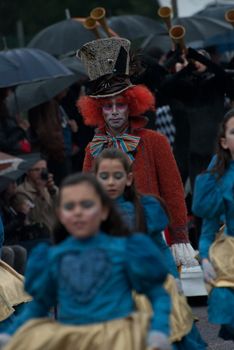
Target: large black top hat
x,y
107,64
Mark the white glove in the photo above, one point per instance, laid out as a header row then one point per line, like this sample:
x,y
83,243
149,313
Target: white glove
x,y
4,339
179,286
158,340
208,271
184,254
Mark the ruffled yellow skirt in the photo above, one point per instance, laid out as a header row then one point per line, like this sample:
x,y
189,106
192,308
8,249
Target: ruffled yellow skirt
x,y
45,334
181,317
11,290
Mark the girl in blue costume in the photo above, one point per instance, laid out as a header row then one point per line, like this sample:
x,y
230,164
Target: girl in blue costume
x,y
12,295
146,214
90,273
214,202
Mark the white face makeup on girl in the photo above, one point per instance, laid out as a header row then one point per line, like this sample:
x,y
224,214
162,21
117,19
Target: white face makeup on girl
x,y
81,211
115,113
113,177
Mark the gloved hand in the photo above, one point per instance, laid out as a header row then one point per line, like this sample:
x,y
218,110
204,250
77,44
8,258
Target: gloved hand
x,y
208,271
158,341
4,339
179,286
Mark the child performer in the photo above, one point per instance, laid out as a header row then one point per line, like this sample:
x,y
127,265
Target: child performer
x,y
146,213
90,273
12,295
214,202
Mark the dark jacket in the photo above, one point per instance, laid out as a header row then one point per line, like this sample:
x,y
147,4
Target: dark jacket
x,y
10,136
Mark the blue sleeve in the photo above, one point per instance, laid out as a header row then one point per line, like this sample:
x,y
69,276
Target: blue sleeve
x,y
155,215
207,197
147,273
40,284
209,229
167,255
157,220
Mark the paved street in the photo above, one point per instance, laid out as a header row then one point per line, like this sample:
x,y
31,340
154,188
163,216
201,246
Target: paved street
x,y
209,332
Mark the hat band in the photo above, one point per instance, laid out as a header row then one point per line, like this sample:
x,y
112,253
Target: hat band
x,y
108,84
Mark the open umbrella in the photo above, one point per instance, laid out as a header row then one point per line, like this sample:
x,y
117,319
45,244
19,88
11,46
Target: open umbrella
x,y
134,26
8,163
216,11
198,29
224,42
27,162
62,37
27,65
29,95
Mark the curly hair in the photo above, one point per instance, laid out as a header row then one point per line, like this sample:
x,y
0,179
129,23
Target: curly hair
x,y
138,98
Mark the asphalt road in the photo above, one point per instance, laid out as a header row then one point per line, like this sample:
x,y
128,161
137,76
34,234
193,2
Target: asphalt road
x,y
208,331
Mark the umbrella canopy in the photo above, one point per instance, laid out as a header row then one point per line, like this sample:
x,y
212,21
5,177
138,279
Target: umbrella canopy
x,y
224,42
75,65
216,11
27,65
8,163
30,95
27,162
62,37
134,26
198,29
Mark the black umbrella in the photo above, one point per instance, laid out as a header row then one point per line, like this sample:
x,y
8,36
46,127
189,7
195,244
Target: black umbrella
x,y
27,65
198,29
27,162
33,94
62,37
8,163
134,26
216,11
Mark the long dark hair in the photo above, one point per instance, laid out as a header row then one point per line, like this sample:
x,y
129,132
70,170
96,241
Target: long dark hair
x,y
130,192
223,155
113,225
45,125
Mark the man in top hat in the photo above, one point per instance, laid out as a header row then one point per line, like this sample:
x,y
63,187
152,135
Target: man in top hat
x,y
116,108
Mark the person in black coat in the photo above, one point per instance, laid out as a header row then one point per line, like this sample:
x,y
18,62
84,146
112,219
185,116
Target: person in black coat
x,y
13,133
196,95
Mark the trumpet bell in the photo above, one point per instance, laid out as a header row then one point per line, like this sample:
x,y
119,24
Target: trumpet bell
x,y
229,17
90,24
177,34
98,13
165,13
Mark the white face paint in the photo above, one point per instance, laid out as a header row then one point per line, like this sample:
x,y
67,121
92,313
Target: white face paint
x,y
113,177
81,211
115,113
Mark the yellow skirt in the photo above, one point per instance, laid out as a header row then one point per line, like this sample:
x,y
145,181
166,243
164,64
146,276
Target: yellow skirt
x,y
45,334
11,290
181,317
221,255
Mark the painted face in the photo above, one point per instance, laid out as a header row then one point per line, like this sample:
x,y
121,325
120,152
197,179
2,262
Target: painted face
x,y
113,177
227,142
81,210
115,113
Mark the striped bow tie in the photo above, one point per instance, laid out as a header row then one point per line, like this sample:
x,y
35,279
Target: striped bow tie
x,y
126,142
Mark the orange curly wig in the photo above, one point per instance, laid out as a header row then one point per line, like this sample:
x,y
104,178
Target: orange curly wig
x,y
138,98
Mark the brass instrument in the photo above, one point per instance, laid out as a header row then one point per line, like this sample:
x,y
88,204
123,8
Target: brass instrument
x,y
165,13
177,34
90,24
229,17
98,14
